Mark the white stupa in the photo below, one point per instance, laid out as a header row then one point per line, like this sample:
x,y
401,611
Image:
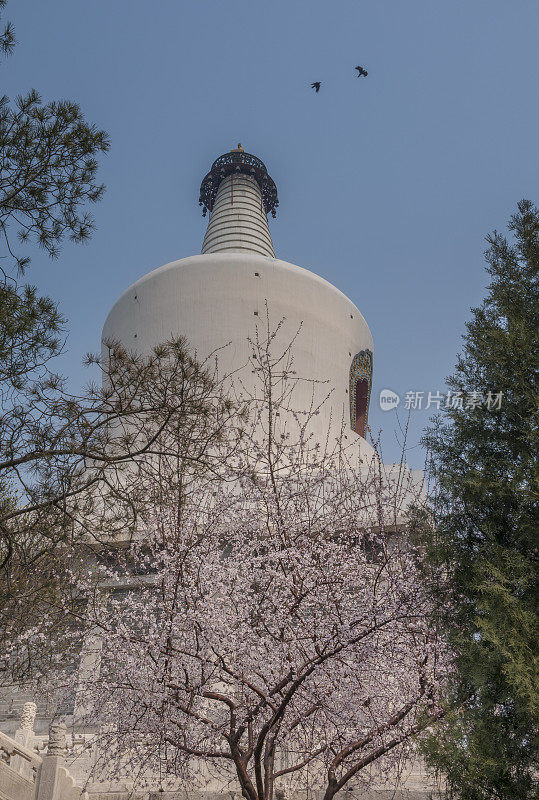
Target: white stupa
x,y
217,300
220,297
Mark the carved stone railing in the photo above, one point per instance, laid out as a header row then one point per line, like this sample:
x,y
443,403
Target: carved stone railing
x,y
19,770
25,775
11,750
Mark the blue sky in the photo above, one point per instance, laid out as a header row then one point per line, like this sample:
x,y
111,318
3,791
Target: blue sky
x,y
387,185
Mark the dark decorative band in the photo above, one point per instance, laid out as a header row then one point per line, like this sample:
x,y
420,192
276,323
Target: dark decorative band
x,y
234,163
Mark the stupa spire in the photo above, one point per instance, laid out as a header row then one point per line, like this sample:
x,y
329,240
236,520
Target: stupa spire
x,y
239,194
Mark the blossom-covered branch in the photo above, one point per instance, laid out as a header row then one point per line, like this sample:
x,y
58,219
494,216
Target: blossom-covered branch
x,y
267,627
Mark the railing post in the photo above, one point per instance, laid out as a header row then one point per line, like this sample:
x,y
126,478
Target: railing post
x,y
49,773
25,735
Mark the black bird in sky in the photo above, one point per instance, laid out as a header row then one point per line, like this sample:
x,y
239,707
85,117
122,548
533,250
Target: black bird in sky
x,y
361,72
316,86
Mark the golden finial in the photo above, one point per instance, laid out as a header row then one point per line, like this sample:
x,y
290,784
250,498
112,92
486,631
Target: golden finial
x,y
238,149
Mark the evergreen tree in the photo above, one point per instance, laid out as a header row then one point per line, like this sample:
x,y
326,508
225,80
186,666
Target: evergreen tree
x,y
7,36
482,545
48,166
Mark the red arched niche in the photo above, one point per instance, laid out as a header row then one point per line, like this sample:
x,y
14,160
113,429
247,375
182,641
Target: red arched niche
x,y
361,400
360,391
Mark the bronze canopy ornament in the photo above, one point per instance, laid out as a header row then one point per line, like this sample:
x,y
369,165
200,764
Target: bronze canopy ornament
x,y
238,162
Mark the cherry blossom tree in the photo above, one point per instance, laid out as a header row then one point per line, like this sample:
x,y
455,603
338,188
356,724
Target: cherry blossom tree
x,y
75,466
268,628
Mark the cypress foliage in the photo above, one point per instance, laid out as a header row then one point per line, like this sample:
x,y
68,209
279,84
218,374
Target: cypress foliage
x,y
481,537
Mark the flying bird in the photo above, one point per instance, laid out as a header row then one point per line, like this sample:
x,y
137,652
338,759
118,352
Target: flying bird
x,y
361,72
316,86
